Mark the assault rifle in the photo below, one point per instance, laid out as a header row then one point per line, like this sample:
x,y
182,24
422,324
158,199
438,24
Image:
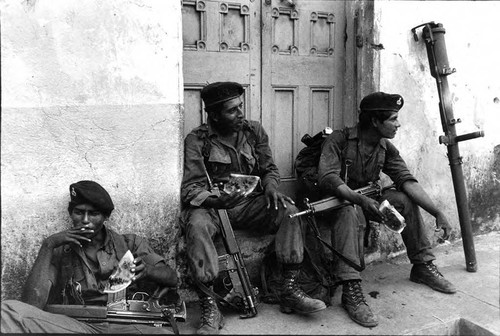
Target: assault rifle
x,y
331,203
242,296
141,309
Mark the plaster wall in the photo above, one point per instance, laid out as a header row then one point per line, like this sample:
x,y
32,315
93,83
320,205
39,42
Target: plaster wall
x,y
402,66
90,90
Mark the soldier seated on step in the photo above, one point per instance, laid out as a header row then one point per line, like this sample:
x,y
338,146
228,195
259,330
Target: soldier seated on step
x,y
230,144
73,267
371,152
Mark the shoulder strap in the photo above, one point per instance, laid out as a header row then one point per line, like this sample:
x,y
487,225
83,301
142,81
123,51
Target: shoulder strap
x,y
202,133
350,147
67,272
349,153
381,155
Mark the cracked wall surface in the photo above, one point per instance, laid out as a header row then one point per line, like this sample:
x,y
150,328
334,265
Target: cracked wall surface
x,y
403,67
90,90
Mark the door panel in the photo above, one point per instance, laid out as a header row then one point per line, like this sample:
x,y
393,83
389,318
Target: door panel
x,y
303,55
221,43
290,60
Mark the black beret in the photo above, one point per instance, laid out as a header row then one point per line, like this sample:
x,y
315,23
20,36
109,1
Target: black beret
x,y
380,101
93,193
219,92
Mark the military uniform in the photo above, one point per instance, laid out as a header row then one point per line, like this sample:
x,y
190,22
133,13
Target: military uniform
x,y
210,158
251,156
77,280
345,159
363,170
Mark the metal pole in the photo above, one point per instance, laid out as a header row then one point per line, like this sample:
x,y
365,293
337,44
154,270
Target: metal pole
x,y
433,35
458,179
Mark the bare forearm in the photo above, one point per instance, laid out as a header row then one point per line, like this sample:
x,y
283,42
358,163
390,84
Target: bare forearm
x,y
37,287
343,191
418,195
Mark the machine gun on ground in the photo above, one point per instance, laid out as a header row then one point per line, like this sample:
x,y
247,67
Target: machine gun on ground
x,y
141,309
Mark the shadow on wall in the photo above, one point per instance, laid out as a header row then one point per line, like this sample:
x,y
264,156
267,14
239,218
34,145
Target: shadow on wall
x,y
484,195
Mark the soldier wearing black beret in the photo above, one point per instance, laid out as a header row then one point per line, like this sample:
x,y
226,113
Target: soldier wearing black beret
x,y
73,268
354,157
227,144
219,92
92,193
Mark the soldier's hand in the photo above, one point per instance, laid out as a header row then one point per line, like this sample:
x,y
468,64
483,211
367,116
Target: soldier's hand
x,y
442,224
370,206
74,235
139,269
274,197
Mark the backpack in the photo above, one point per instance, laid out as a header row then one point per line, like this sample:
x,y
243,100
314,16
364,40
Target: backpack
x,y
307,161
314,278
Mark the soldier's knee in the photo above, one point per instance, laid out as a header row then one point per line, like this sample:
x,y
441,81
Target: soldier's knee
x,y
289,210
400,201
346,212
16,306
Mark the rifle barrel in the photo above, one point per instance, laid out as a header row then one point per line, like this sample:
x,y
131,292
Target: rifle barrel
x,y
334,202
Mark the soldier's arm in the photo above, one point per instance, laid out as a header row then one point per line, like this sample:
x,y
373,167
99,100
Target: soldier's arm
x,y
43,273
41,278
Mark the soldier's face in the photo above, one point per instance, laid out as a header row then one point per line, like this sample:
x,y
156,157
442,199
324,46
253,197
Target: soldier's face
x,y
230,117
388,127
87,214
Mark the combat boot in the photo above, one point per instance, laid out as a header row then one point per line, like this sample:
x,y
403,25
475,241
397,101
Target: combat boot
x,y
429,275
293,298
211,317
354,302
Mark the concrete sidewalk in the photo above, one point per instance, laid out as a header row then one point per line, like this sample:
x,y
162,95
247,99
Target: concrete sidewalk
x,y
402,307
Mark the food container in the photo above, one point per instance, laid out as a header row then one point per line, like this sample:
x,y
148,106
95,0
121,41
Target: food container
x,y
244,183
393,219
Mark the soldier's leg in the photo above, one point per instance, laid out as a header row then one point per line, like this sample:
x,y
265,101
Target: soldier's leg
x,y
415,235
347,228
347,222
20,317
200,228
418,244
289,241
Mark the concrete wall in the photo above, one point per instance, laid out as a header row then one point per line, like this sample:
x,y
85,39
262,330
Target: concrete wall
x,y
401,65
90,90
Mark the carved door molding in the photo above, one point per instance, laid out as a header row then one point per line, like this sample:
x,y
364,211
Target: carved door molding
x,y
290,60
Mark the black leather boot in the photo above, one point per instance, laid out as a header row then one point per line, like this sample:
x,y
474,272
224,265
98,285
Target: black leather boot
x,y
354,302
293,298
429,275
211,318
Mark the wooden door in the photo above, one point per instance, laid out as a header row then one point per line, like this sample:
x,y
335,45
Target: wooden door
x,y
221,43
302,74
289,56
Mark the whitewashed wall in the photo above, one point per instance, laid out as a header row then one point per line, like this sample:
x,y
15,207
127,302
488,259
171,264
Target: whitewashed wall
x,y
402,67
90,90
